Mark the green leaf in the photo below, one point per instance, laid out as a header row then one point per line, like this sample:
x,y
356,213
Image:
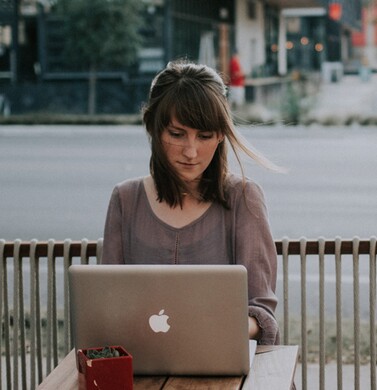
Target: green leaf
x,y
105,352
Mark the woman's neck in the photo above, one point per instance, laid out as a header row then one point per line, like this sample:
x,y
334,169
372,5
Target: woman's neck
x,y
178,217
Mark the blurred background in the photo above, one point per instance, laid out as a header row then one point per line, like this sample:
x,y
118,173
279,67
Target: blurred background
x,y
99,57
310,105
74,75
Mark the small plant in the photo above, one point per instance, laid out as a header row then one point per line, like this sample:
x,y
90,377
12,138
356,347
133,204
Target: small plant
x,y
98,372
106,352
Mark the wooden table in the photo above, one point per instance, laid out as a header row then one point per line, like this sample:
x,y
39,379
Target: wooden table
x,y
273,368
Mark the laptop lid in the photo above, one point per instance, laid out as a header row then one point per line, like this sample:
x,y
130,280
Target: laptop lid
x,y
173,320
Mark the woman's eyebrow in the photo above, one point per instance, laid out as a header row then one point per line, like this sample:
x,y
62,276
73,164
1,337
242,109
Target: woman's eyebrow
x,y
176,127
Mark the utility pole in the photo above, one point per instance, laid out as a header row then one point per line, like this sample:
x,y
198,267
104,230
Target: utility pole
x,y
168,31
224,48
14,53
370,45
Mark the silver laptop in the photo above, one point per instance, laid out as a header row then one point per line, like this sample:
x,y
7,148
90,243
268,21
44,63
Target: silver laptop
x,y
173,320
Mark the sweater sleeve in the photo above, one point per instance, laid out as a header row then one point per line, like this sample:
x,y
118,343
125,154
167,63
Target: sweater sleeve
x,y
113,243
255,249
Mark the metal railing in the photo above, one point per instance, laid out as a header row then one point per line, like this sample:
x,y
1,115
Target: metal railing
x,y
34,304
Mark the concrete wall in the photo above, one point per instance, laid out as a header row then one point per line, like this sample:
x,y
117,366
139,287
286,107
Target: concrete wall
x,y
250,36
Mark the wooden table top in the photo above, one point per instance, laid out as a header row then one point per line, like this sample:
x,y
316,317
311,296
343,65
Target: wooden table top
x,y
273,368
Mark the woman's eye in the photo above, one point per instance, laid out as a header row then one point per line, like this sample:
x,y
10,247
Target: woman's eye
x,y
206,136
175,134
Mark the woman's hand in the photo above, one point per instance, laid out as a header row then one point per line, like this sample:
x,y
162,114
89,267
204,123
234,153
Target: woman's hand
x,y
254,329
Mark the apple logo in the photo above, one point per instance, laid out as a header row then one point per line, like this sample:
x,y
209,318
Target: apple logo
x,y
159,322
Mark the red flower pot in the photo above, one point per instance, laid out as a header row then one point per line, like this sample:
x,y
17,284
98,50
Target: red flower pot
x,y
113,373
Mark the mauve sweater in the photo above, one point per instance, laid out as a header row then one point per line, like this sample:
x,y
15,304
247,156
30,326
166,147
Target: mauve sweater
x,y
241,235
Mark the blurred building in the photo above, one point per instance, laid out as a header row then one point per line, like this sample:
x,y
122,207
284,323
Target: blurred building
x,y
365,40
273,37
279,36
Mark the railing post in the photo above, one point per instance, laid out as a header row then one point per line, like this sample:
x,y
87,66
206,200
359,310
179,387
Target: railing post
x,y
322,351
99,250
51,308
4,307
4,293
34,325
304,354
285,247
339,336
2,242
38,330
356,309
372,308
83,252
67,318
16,321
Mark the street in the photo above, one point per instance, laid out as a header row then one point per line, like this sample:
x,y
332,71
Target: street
x,y
55,182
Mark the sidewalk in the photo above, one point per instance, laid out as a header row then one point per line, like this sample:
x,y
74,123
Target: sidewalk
x,y
349,100
345,101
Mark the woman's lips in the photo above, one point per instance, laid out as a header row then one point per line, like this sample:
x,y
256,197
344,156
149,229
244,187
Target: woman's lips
x,y
187,165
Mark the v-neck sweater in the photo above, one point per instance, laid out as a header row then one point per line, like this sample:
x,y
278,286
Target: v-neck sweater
x,y
238,235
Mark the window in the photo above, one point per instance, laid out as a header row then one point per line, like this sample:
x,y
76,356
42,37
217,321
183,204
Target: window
x,y
251,9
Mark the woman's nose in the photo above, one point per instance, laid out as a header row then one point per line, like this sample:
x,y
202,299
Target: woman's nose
x,y
190,150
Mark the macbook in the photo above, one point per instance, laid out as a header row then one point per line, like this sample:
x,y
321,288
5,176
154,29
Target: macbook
x,y
172,319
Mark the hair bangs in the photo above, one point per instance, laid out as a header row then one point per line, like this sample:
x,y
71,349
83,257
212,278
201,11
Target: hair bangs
x,y
163,114
198,108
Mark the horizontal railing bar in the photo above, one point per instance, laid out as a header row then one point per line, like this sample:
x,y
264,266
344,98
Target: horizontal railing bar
x,y
312,248
42,247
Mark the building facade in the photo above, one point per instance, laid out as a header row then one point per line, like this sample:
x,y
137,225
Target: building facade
x,y
278,37
273,37
365,40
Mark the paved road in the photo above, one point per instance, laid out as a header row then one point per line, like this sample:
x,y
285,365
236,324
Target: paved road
x,y
55,182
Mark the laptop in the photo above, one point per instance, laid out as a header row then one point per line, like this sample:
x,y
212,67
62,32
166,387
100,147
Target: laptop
x,y
172,319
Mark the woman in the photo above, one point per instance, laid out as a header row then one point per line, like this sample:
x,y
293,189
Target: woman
x,y
191,209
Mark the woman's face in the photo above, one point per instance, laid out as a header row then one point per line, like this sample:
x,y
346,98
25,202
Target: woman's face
x,y
188,150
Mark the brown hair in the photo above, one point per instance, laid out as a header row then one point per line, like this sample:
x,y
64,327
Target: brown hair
x,y
196,96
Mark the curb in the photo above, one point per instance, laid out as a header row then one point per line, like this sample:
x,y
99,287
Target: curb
x,y
69,119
